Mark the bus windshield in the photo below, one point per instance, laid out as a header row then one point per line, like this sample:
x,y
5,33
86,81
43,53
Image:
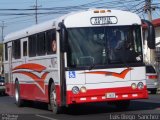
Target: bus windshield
x,y
102,46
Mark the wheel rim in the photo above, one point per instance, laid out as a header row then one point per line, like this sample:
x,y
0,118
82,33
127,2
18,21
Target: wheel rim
x,y
16,95
53,98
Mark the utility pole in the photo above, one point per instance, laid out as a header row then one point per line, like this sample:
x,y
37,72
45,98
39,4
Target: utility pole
x,y
36,7
148,10
36,11
2,29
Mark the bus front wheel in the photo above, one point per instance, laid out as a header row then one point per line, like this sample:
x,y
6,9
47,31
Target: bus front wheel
x,y
53,100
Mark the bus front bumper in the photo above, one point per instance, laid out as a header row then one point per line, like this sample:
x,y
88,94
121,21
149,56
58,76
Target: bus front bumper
x,y
100,95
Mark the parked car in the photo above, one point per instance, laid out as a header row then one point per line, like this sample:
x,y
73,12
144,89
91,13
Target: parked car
x,y
151,79
2,85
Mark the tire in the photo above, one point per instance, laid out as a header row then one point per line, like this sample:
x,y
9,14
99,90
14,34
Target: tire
x,y
3,93
153,91
56,109
122,105
18,100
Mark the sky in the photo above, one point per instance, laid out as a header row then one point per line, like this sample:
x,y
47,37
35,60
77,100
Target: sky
x,y
15,20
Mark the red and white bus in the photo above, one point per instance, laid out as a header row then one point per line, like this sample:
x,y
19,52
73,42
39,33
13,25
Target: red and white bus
x,y
87,56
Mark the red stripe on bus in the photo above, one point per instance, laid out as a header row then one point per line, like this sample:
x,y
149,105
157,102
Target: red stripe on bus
x,y
119,75
31,66
38,80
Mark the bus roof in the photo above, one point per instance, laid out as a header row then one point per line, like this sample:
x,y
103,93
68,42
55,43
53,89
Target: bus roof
x,y
75,19
30,30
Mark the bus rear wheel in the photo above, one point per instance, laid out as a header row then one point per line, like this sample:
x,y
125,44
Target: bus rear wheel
x,y
154,91
56,109
18,100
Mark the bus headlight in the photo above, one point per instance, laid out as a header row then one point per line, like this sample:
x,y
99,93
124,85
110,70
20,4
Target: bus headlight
x,y
83,89
75,90
140,85
133,85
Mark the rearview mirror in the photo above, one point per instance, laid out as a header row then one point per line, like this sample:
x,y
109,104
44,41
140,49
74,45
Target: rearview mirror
x,y
151,34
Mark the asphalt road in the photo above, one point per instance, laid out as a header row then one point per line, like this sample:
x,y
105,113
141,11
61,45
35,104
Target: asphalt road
x,y
140,109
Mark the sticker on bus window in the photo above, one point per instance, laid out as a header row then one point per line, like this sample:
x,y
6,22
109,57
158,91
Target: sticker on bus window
x,y
72,74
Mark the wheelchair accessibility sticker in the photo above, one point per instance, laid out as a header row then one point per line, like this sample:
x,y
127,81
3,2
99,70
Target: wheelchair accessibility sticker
x,y
72,74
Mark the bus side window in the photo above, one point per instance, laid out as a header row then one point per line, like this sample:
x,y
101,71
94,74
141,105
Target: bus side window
x,y
6,52
41,44
25,48
16,49
32,45
51,44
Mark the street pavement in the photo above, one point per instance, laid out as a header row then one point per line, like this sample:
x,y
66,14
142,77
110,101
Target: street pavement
x,y
139,109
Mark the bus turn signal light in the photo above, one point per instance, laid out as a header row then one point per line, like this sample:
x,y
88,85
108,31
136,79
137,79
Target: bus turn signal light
x,y
96,11
83,89
133,85
101,11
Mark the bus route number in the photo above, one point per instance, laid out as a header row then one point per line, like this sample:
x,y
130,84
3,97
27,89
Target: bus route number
x,y
103,20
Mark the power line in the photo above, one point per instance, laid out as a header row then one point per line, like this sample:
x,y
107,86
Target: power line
x,y
63,10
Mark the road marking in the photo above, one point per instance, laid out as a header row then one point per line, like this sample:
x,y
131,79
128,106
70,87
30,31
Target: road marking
x,y
49,118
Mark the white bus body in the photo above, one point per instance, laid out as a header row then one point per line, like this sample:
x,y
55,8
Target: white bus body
x,y
78,74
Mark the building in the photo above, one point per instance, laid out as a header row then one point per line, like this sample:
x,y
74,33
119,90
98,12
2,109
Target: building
x,y
156,24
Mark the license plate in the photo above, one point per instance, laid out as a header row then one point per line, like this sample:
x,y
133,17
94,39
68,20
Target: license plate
x,y
110,95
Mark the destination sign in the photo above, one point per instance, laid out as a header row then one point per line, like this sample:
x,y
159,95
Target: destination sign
x,y
104,20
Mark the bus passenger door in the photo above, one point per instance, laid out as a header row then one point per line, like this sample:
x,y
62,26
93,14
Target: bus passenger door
x,y
24,49
27,82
